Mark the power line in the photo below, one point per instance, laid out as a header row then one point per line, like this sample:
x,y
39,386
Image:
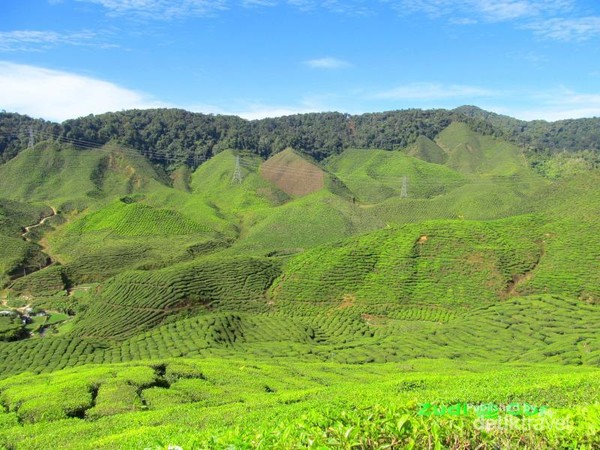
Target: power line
x,y
308,171
90,145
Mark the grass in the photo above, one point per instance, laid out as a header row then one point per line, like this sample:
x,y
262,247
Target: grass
x,y
376,175
192,403
441,262
472,153
123,218
213,314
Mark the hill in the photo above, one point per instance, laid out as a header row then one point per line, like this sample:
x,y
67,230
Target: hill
x,y
322,295
427,150
292,174
376,175
171,138
72,178
470,152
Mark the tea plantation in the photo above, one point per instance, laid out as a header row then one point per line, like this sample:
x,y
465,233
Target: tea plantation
x,y
446,295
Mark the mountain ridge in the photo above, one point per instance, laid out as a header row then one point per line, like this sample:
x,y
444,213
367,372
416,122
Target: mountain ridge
x,y
172,137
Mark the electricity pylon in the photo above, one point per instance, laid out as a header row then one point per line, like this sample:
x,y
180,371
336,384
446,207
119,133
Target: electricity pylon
x,y
31,138
404,191
237,173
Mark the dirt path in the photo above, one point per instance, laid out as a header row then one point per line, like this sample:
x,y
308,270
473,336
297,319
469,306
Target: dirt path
x,y
39,224
512,289
24,234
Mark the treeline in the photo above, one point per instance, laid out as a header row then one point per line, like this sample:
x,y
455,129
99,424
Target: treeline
x,y
171,137
572,135
14,133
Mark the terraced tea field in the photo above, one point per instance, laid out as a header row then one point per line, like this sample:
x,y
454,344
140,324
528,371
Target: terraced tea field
x,y
302,304
190,403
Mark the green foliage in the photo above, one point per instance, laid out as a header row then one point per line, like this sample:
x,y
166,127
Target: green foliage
x,y
190,335
11,328
133,302
429,263
14,133
376,175
219,404
14,216
564,164
173,138
136,219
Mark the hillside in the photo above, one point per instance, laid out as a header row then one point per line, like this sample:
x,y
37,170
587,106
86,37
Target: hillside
x,y
292,174
376,175
319,296
73,178
171,137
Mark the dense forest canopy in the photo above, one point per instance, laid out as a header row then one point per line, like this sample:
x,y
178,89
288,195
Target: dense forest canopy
x,y
171,137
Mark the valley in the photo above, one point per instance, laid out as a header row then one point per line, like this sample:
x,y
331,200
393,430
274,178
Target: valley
x,y
301,297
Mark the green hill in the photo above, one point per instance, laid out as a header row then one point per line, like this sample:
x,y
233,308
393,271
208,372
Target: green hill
x,y
376,175
73,178
19,257
427,150
473,153
15,216
293,174
128,218
305,222
453,263
294,301
213,181
135,301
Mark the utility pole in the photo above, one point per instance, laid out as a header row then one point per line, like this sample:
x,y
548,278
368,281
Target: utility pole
x,y
31,138
237,173
404,191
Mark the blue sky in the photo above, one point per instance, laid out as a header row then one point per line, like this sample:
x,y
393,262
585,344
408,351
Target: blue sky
x,y
530,59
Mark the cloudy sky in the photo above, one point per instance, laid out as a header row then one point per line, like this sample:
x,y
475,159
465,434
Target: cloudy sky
x,y
531,59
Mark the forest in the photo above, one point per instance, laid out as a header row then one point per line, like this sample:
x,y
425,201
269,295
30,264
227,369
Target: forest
x,y
172,137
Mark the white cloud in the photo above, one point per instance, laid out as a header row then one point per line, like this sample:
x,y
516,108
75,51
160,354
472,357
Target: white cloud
x,y
563,29
507,9
252,3
56,95
561,104
551,19
162,9
431,92
327,63
257,109
264,111
24,40
177,9
489,10
463,21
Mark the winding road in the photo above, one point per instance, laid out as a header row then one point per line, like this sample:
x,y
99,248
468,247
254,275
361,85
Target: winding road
x,y
39,224
24,234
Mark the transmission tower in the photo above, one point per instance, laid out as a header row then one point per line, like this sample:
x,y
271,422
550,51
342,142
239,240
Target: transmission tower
x,y
404,191
237,173
31,138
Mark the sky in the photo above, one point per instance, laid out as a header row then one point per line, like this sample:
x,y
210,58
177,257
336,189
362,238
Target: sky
x,y
530,59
